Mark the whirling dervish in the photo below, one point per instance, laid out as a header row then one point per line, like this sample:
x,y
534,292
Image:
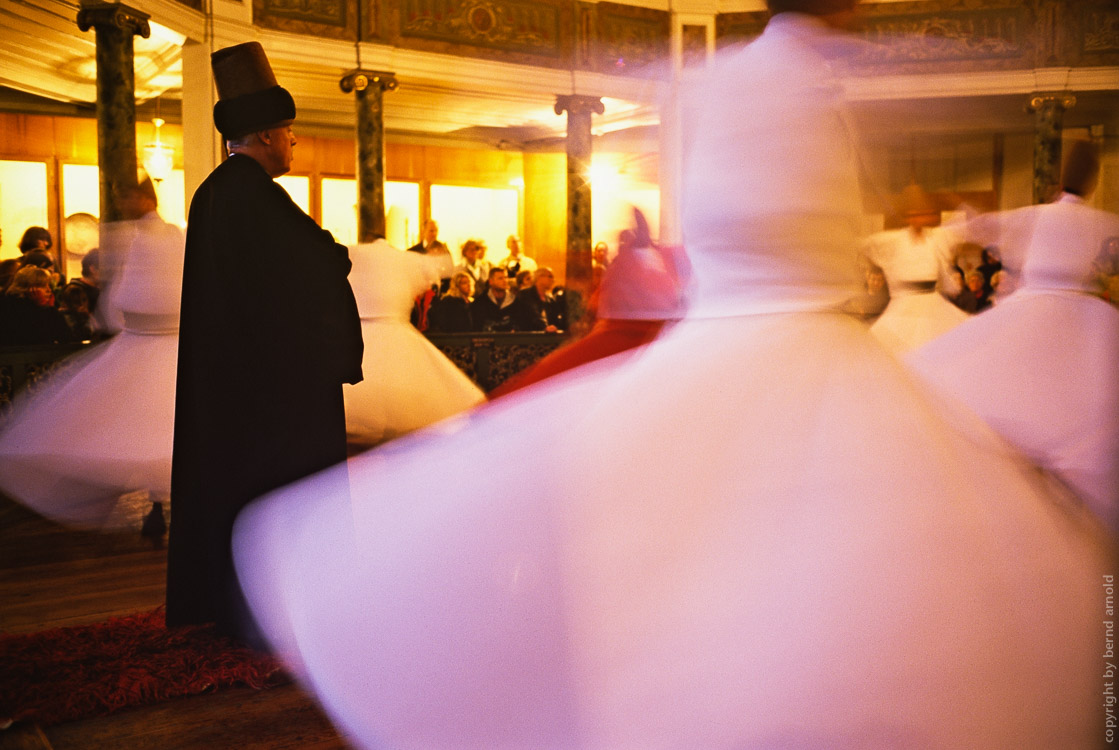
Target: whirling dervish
x,y
915,261
1040,367
102,427
758,532
408,383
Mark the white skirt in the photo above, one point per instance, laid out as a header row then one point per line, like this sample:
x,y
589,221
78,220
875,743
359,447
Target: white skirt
x,y
1042,368
100,428
911,319
757,532
408,383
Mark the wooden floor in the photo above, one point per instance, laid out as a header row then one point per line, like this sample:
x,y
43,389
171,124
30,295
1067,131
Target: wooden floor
x,y
51,577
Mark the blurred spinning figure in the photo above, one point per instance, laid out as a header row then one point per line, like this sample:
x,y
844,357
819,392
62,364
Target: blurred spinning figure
x,y
759,533
915,261
408,383
102,426
1041,366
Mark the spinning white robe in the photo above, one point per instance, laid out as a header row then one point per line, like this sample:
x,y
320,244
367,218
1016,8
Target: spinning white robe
x,y
758,532
408,383
1042,367
102,426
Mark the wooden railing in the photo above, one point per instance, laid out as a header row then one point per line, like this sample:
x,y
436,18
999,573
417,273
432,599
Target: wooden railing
x,y
27,366
489,359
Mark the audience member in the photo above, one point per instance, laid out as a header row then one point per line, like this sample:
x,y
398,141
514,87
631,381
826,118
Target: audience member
x,y
8,269
35,238
430,244
536,308
600,259
524,280
429,239
451,314
516,261
875,294
975,297
28,315
73,303
90,280
493,310
989,267
474,264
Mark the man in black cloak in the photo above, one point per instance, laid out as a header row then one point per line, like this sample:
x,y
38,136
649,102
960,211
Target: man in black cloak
x,y
269,333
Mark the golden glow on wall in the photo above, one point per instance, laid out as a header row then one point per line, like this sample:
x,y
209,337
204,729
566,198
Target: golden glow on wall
x,y
23,201
615,190
81,191
299,188
402,211
480,213
339,209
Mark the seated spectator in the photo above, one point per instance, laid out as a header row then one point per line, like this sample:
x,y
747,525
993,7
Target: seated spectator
x,y
90,280
989,266
8,269
474,264
516,261
536,308
640,293
40,259
27,313
36,238
451,314
600,259
524,280
493,310
73,303
974,297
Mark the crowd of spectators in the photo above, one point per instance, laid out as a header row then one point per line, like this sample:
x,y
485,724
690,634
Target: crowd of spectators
x,y
515,294
37,304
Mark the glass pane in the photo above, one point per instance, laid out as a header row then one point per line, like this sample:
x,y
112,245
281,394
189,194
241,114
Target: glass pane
x,y
480,213
339,209
402,213
299,188
172,198
81,191
615,191
23,202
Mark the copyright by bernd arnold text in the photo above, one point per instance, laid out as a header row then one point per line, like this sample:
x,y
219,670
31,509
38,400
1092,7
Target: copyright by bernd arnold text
x,y
1109,672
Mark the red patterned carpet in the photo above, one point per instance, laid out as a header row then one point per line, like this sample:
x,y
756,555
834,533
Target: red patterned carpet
x,y
66,674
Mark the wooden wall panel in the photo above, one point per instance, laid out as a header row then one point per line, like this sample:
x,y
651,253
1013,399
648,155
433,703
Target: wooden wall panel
x,y
545,232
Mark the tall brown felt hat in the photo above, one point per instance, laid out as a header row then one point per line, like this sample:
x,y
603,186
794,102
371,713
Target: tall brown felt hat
x,y
249,99
1081,168
914,201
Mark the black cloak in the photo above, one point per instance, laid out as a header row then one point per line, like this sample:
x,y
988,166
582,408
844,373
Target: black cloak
x,y
269,333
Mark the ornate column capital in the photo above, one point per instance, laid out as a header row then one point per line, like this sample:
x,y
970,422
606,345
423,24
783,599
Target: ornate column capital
x,y
578,104
96,13
360,79
1042,101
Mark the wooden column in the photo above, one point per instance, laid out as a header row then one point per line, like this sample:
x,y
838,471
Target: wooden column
x,y
369,87
114,26
577,275
1049,112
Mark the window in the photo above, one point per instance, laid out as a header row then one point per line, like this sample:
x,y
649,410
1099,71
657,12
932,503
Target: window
x,y
479,213
23,201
